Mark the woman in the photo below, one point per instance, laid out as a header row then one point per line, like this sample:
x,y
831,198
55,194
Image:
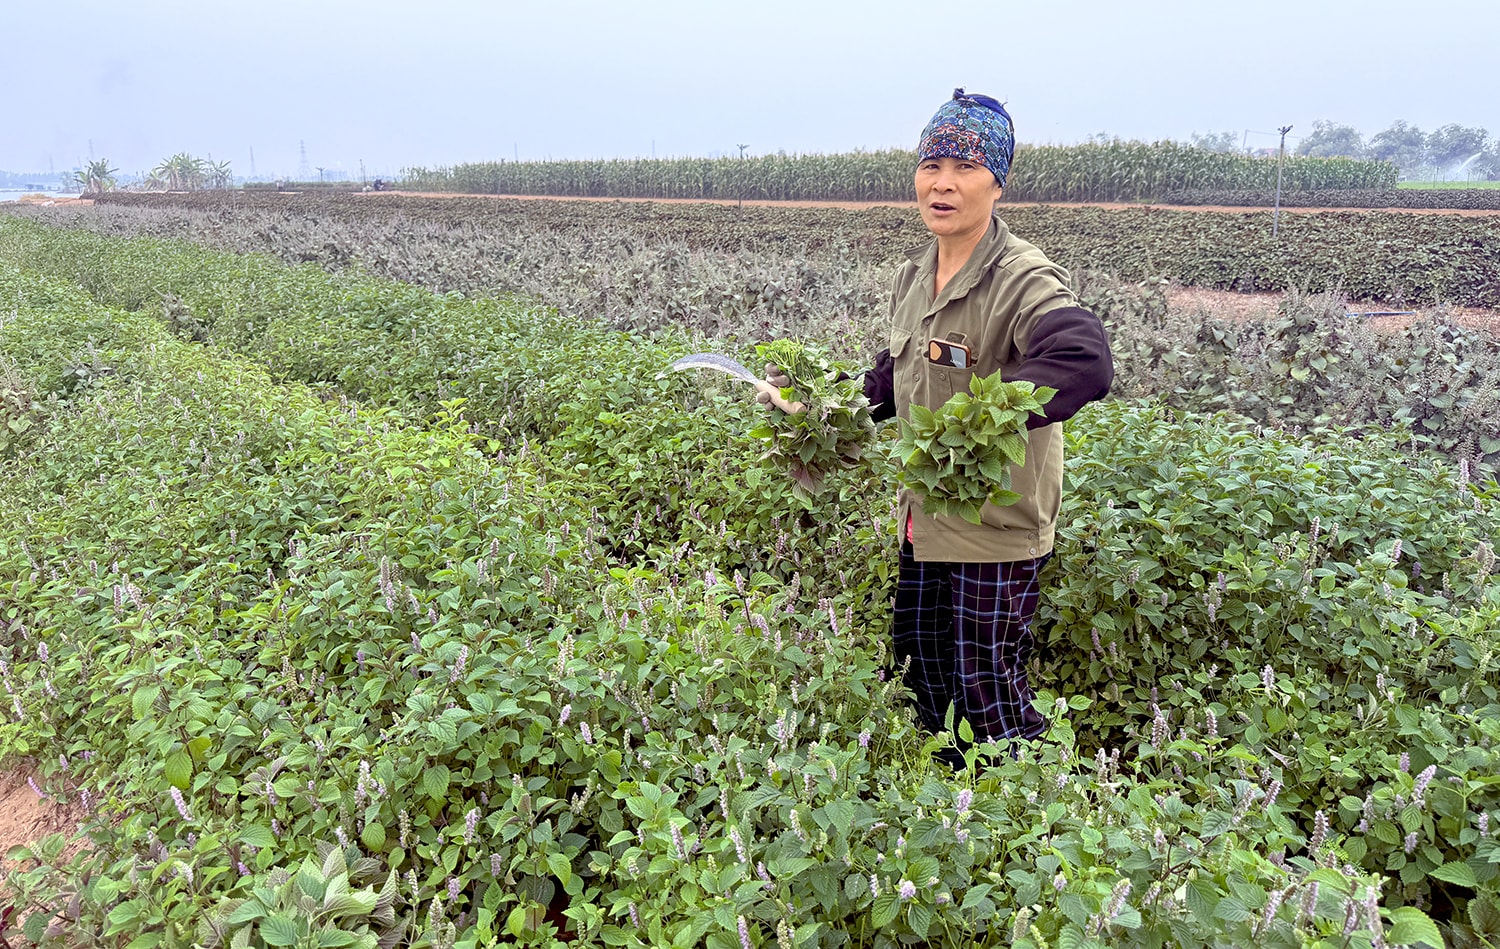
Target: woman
x,y
973,299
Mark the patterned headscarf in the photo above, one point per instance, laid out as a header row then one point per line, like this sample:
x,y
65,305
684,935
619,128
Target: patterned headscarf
x,y
974,128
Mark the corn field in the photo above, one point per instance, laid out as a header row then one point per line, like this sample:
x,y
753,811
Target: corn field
x,y
1106,171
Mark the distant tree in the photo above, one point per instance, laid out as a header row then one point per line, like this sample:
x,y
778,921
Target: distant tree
x,y
1331,140
1488,164
1403,145
181,172
219,174
1451,145
97,177
1216,141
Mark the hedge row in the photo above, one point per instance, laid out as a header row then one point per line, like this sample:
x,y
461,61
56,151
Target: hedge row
x,y
1096,171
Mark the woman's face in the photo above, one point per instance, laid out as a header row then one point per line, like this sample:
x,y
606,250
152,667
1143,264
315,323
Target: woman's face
x,y
956,197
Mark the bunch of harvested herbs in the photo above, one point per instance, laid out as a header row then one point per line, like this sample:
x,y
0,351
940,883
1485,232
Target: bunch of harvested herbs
x,y
959,457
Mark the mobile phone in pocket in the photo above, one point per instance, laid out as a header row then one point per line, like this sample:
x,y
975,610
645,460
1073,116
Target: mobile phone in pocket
x,y
946,352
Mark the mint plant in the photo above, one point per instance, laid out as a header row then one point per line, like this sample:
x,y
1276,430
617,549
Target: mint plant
x,y
958,458
315,905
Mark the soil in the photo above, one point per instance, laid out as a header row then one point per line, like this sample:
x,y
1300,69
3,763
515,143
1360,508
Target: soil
x,y
26,818
1383,316
46,202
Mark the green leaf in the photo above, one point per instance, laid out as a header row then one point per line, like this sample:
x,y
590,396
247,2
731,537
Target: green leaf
x,y
280,930
36,926
122,917
1233,909
883,913
258,835
561,867
311,883
919,918
839,814
1202,900
435,781
142,699
373,836
247,912
1484,914
515,922
179,770
1456,872
198,746
1411,927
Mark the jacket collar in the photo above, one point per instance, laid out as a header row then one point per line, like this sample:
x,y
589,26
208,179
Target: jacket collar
x,y
985,255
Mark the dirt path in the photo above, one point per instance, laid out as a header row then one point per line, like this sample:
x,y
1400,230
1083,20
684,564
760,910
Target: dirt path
x,y
26,817
1228,304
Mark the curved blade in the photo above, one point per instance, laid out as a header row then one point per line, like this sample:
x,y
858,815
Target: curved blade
x,y
714,361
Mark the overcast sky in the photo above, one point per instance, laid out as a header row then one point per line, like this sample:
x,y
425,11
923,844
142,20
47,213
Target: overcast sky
x,y
395,84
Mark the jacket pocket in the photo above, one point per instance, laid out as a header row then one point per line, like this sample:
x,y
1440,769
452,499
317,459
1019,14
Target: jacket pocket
x,y
950,380
900,341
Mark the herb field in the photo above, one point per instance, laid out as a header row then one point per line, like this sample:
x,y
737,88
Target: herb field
x,y
766,273
431,611
1415,260
1453,199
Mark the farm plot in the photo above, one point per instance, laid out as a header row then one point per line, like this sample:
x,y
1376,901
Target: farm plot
x,y
666,270
542,650
1414,259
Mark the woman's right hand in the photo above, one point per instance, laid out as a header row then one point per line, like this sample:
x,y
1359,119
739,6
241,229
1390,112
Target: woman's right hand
x,y
768,390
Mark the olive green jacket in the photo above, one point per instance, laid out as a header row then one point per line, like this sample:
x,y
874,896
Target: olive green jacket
x,y
1015,311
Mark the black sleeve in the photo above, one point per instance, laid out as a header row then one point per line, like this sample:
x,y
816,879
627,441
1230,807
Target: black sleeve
x,y
1069,351
880,387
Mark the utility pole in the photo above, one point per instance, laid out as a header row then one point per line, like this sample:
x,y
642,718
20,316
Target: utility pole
x,y
252,161
1280,158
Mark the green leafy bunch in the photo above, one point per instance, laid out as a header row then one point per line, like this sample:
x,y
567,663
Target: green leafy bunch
x,y
315,906
831,433
959,457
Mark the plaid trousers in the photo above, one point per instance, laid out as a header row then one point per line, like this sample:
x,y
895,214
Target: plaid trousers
x,y
966,627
